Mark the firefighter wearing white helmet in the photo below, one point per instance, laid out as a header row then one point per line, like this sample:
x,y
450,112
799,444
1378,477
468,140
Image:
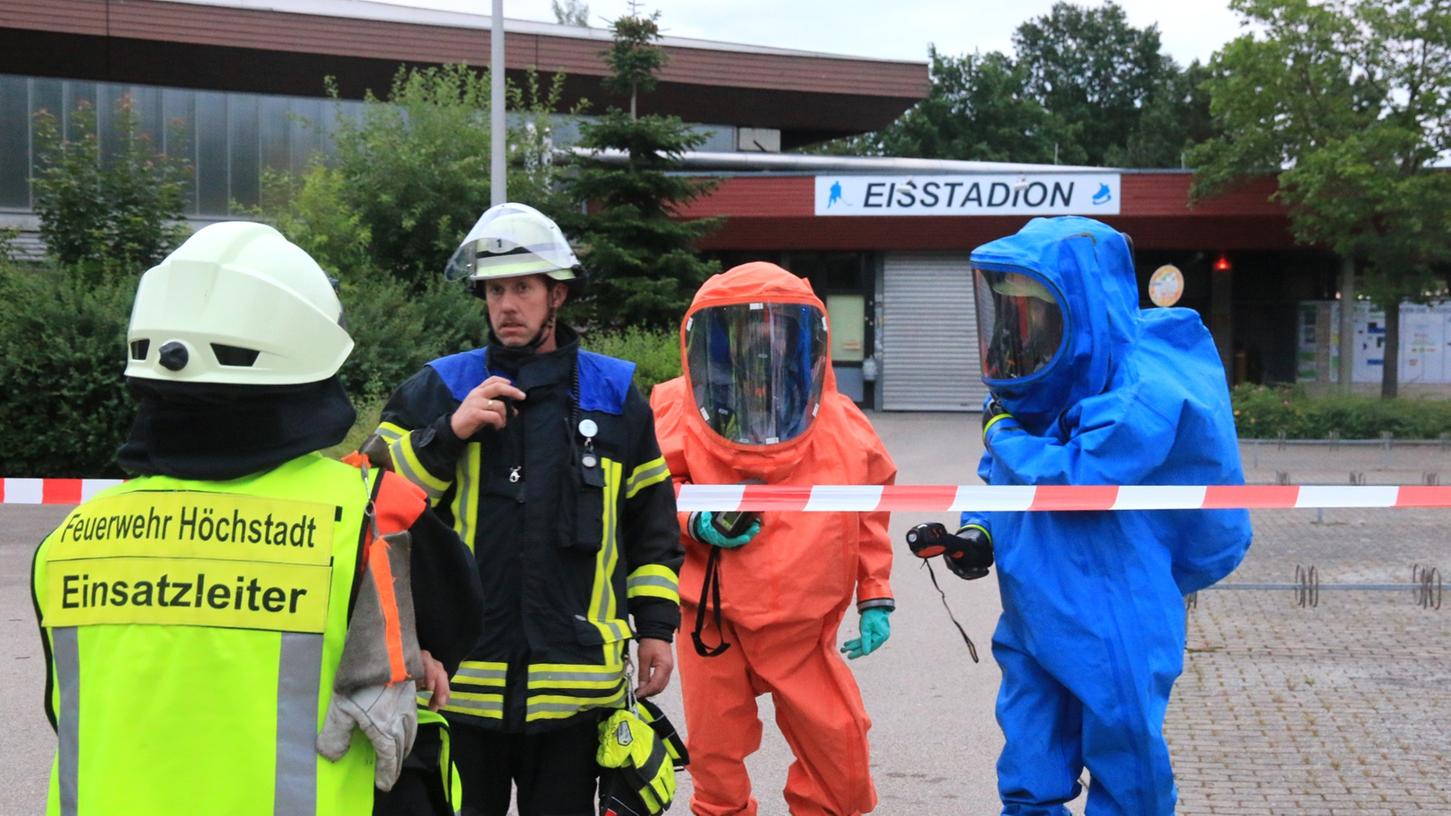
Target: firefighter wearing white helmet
x,y
544,457
237,303
512,242
251,571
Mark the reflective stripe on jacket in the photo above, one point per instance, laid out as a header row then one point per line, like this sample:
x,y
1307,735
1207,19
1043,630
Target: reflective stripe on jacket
x,y
573,536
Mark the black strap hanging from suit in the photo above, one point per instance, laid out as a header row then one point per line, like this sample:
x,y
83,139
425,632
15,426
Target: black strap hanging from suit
x,y
709,597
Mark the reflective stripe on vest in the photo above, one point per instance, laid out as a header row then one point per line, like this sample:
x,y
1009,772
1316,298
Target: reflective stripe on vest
x,y
603,605
66,654
298,673
477,689
559,690
161,583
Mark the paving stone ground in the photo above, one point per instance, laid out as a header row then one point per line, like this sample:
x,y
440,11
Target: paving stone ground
x,y
1343,708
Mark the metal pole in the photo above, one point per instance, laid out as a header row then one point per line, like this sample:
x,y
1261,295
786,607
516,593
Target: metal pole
x,y
498,185
1347,323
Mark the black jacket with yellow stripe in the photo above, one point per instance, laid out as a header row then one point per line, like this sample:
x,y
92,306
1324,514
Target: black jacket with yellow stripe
x,y
570,532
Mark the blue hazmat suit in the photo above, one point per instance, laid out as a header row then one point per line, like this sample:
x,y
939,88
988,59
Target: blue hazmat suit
x,y
1092,633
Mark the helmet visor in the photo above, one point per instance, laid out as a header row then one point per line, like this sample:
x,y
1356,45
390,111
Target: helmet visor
x,y
756,369
1019,324
508,241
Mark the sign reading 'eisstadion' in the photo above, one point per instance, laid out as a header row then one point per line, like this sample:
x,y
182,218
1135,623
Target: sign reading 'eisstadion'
x,y
991,194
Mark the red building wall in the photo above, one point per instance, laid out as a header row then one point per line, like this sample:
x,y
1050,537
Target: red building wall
x,y
777,213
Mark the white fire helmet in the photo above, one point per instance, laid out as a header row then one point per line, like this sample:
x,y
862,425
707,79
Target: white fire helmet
x,y
510,241
237,303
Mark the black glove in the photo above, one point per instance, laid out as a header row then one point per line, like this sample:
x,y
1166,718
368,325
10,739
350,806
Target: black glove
x,y
968,554
991,410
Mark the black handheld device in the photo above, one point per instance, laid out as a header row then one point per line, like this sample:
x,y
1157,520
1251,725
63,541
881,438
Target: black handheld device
x,y
733,522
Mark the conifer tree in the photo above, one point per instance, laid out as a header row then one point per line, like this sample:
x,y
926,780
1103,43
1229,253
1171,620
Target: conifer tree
x,y
643,269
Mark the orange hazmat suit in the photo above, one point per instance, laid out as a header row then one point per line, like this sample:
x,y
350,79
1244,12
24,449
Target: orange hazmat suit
x,y
784,594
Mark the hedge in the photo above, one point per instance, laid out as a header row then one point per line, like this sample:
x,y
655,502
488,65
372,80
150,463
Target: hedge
x,y
1263,412
62,354
656,354
63,341
395,332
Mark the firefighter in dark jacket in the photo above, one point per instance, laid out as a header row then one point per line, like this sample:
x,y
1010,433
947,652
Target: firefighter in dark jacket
x,y
543,457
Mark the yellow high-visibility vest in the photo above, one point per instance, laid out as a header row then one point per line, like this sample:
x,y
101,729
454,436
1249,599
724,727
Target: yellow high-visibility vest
x,y
194,629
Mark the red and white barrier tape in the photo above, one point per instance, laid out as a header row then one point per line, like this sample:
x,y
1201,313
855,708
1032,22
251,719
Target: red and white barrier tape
x,y
51,491
935,498
947,498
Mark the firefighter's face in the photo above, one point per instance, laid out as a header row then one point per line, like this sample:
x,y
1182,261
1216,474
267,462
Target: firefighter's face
x,y
521,308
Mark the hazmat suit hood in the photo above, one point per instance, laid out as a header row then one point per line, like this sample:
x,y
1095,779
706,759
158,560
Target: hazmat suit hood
x,y
1088,268
776,578
758,285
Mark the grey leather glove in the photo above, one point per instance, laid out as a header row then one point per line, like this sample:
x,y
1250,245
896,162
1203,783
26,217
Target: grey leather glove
x,y
369,690
387,715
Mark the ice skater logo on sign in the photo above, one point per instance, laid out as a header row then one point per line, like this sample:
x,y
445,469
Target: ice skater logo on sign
x,y
1089,193
835,194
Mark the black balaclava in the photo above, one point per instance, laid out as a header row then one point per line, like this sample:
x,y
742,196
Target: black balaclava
x,y
510,359
224,431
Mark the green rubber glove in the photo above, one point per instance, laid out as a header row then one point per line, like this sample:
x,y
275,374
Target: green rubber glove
x,y
876,626
706,533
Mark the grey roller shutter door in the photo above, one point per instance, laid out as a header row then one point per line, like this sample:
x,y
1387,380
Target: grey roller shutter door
x,y
929,334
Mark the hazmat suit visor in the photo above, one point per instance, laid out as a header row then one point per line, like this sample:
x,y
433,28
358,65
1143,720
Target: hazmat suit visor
x,y
508,241
1019,324
756,370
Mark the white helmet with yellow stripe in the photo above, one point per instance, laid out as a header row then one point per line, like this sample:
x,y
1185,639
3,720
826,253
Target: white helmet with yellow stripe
x,y
510,241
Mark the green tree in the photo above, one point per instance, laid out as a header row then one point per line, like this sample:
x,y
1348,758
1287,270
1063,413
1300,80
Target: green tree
x,y
1348,102
313,211
642,266
571,12
977,109
418,160
1084,87
633,56
1094,72
1174,118
116,206
412,175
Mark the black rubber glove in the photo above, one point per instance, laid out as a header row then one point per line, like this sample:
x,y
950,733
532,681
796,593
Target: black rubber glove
x,y
968,554
991,410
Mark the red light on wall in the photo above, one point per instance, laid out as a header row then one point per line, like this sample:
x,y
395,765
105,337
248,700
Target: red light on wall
x,y
1221,264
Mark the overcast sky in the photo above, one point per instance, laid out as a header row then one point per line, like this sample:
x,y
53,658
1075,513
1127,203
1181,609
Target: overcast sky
x,y
894,29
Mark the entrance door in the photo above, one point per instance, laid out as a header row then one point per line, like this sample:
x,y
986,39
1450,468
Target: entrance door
x,y
848,315
928,337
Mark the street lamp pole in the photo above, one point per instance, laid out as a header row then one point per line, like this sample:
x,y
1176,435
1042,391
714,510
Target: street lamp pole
x,y
498,184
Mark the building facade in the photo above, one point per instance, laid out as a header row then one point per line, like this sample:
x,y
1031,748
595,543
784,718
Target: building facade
x,y
896,235
239,87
